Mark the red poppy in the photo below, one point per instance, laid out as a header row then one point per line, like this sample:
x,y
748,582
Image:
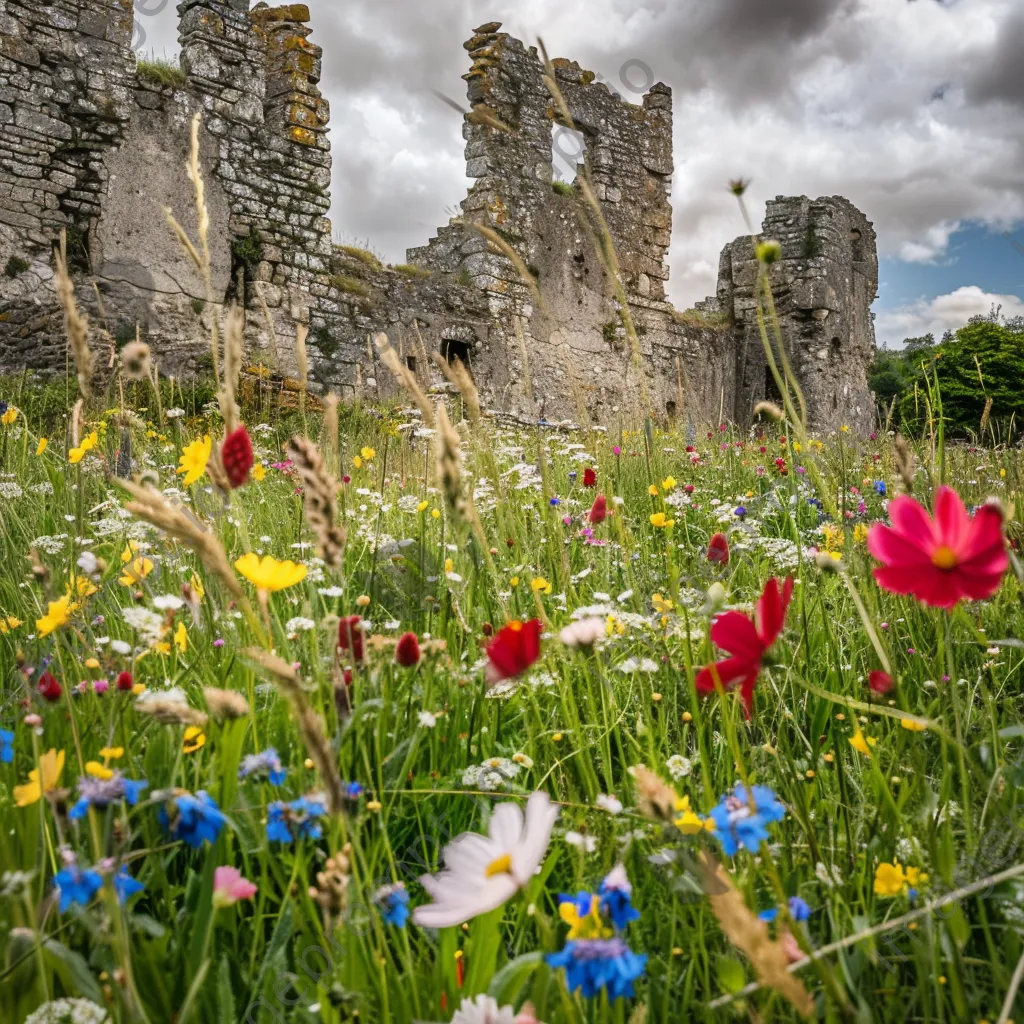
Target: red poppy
x,y
747,642
880,682
407,653
236,455
688,488
513,650
940,560
599,510
49,688
124,681
350,636
589,477
718,549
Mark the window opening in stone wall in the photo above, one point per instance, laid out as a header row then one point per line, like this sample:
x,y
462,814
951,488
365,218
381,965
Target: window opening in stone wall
x,y
568,150
410,362
452,349
771,389
856,245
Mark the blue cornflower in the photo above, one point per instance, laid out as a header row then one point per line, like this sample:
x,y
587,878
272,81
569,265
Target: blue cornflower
x,y
615,894
880,487
77,886
354,790
572,475
816,502
740,511
393,901
93,792
265,764
6,746
595,964
799,908
289,821
198,819
125,886
742,816
556,501
768,915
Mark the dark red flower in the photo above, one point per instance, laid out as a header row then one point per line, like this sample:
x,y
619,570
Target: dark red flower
x,y
124,681
689,488
407,653
589,477
718,549
49,688
513,650
880,682
350,636
236,455
747,643
599,510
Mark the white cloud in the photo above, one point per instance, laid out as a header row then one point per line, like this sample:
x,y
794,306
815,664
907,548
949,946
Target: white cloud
x,y
942,313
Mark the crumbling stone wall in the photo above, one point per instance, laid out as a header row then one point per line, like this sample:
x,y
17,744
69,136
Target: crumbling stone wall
x,y
91,145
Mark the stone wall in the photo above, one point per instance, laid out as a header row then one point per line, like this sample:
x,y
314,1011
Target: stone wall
x,y
94,145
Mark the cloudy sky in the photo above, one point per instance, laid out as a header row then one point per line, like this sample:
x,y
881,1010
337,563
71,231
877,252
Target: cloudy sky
x,y
913,109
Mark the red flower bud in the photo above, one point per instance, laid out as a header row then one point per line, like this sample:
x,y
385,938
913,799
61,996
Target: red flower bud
x,y
599,510
407,653
49,688
688,488
236,455
589,478
350,636
124,681
718,549
880,682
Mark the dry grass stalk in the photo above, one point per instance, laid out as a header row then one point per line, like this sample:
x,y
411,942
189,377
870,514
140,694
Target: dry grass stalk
x,y
76,327
769,409
149,504
986,415
77,423
904,463
524,355
271,332
331,427
308,721
457,375
301,355
405,377
226,705
449,465
500,245
319,498
749,934
171,712
655,798
234,330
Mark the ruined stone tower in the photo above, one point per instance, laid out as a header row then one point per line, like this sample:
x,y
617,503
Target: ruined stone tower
x,y
92,144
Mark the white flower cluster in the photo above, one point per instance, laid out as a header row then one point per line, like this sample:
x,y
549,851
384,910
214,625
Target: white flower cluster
x,y
68,1011
490,776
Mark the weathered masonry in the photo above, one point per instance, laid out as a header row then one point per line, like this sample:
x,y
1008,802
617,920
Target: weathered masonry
x,y
92,143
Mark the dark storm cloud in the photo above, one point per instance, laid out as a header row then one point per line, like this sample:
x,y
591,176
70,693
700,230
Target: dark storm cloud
x,y
998,75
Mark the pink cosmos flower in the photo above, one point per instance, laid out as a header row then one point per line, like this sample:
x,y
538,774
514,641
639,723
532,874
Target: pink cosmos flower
x,y
942,560
229,887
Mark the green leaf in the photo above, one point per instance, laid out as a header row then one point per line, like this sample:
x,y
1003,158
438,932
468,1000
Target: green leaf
x,y
225,997
731,975
282,933
73,971
506,985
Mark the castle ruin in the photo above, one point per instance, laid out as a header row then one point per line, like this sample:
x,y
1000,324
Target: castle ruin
x,y
94,145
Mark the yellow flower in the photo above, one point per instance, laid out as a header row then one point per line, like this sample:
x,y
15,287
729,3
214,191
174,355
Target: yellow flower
x,y
913,726
362,600
586,926
860,533
181,638
8,622
422,506
9,417
449,565
668,483
653,490
436,513
661,604
514,582
88,443
194,458
661,522
367,453
845,429
98,771
138,570
82,587
194,739
92,663
797,446
112,753
41,447
357,462
57,615
51,764
687,820
197,587
834,538
268,573
258,472
540,586
862,744
1002,474
916,878
889,879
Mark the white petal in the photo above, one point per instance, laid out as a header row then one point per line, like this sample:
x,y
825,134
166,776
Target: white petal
x,y
541,815
506,827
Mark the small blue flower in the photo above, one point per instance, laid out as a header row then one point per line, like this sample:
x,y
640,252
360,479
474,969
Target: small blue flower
x,y
93,792
615,893
556,501
263,765
880,487
298,819
393,901
799,908
742,816
125,886
769,915
6,746
198,819
595,964
77,886
354,790
741,512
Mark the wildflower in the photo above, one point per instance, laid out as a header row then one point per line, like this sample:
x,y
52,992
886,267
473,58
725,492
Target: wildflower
x,y
194,458
407,650
264,764
135,360
49,688
615,894
9,416
90,441
393,901
595,964
58,613
747,642
41,447
287,822
6,746
367,454
584,633
718,549
742,816
942,560
229,887
598,511
236,455
350,636
196,819
662,605
862,744
880,488
889,879
912,725
589,477
268,574
259,472
41,780
540,586
679,767
194,739
100,791
139,569
485,1010
513,650
75,885
124,681
661,522
668,484
9,622
880,682
610,803
768,251
687,820
483,872
426,719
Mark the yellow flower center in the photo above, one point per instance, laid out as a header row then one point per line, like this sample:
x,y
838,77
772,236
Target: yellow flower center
x,y
944,558
500,866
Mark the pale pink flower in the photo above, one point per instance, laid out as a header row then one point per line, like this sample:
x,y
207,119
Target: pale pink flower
x,y
229,887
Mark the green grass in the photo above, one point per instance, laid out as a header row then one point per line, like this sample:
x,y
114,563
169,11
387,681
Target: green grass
x,y
161,72
349,285
363,256
938,800
412,270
